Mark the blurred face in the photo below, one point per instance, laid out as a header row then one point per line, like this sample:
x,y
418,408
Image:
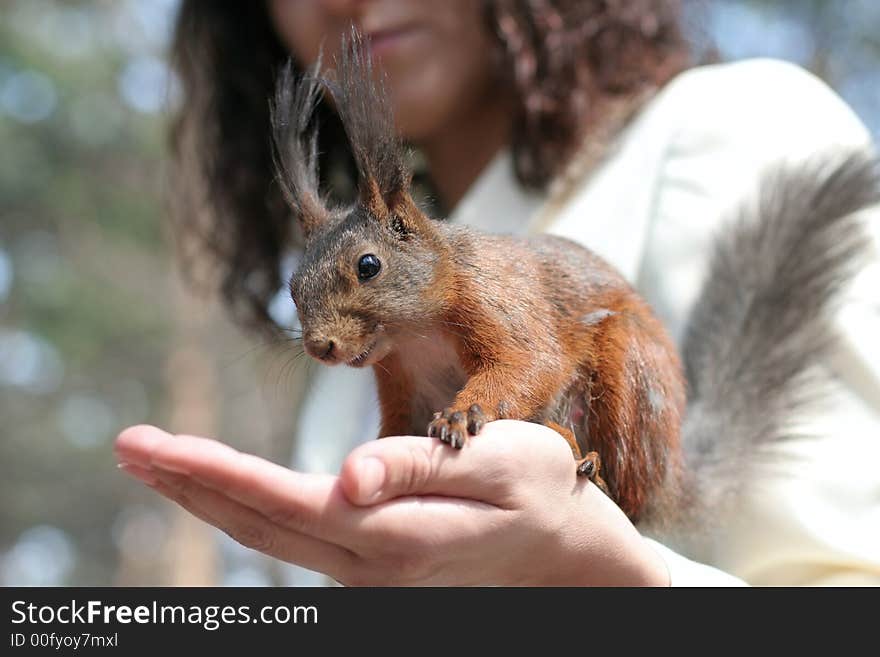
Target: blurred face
x,y
437,55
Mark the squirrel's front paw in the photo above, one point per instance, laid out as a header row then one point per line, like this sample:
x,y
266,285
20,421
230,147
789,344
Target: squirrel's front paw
x,y
454,427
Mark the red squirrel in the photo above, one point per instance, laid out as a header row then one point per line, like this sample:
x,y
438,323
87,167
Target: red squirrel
x,y
462,328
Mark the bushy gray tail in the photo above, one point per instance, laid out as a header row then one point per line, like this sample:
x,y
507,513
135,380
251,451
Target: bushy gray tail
x,y
762,321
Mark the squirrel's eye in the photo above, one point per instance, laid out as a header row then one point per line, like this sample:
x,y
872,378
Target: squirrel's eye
x,y
368,266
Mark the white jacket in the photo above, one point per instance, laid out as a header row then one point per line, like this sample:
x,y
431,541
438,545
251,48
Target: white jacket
x,y
651,209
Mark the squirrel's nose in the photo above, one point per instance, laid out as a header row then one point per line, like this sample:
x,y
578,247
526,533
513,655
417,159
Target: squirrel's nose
x,y
321,348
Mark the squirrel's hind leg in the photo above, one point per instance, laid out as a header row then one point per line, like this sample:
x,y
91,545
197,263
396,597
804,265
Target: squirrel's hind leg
x,y
587,465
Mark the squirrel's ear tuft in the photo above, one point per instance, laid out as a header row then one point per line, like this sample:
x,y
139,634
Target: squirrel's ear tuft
x,y
363,106
295,145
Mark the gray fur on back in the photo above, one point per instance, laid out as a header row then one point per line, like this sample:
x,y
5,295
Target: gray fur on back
x,y
762,321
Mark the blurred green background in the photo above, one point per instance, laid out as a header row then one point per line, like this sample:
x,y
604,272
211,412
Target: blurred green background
x,y
97,333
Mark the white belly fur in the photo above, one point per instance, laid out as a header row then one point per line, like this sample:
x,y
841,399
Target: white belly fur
x,y
432,367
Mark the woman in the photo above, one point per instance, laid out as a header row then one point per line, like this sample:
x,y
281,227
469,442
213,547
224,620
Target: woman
x,y
576,118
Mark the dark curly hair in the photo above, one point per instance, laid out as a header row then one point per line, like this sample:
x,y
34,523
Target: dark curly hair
x,y
567,60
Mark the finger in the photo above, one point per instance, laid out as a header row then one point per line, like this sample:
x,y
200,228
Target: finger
x,y
308,504
432,533
145,475
504,453
425,524
252,529
135,444
402,521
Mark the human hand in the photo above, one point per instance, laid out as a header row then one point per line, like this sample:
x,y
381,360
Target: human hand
x,y
506,510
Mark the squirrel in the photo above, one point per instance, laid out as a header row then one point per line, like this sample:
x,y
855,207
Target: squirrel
x,y
462,327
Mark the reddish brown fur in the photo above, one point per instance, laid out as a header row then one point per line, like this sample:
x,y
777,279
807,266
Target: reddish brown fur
x,y
538,326
529,357
479,327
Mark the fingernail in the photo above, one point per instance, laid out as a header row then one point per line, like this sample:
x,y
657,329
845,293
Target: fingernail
x,y
139,473
371,477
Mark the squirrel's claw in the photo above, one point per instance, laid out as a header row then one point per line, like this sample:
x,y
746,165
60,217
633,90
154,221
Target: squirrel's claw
x,y
454,427
589,467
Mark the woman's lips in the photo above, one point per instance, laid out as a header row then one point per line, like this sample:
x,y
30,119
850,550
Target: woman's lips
x,y
386,42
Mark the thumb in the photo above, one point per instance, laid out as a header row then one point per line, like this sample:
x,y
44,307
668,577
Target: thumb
x,y
486,469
